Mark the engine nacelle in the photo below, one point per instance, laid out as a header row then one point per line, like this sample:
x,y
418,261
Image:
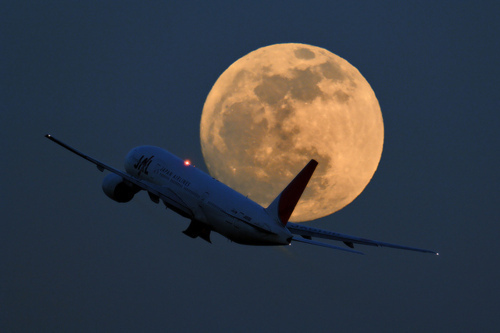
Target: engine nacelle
x,y
118,190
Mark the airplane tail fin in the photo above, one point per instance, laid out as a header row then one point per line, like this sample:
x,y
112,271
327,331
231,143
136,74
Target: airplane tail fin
x,y
282,207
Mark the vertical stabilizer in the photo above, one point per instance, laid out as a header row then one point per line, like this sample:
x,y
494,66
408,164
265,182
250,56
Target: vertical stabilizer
x,y
282,207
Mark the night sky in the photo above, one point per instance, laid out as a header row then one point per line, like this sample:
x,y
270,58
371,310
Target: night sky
x,y
108,76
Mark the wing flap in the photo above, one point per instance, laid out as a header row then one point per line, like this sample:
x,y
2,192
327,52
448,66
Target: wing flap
x,y
309,241
306,231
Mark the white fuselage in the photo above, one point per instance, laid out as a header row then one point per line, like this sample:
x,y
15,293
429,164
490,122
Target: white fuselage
x,y
200,197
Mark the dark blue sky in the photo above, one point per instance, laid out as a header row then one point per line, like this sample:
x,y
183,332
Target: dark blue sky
x,y
110,76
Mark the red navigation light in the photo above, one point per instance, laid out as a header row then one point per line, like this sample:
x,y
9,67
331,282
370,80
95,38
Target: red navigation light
x,y
187,162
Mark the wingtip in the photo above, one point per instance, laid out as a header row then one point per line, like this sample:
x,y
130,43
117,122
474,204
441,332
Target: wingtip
x,y
48,136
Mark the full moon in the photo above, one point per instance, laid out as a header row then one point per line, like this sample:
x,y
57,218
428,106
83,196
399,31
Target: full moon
x,y
278,107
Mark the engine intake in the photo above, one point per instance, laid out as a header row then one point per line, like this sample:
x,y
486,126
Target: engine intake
x,y
118,190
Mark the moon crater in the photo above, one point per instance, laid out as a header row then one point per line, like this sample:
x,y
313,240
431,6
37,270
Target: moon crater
x,y
276,108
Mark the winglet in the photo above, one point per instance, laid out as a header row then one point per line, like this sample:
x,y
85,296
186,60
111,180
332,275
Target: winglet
x,y
284,204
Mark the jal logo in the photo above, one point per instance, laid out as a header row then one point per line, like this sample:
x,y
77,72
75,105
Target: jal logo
x,y
143,164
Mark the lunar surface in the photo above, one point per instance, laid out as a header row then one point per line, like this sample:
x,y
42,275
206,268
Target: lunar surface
x,y
278,107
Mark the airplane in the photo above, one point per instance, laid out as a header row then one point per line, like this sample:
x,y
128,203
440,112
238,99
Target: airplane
x,y
212,206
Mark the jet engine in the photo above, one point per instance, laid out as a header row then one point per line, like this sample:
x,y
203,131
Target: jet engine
x,y
117,189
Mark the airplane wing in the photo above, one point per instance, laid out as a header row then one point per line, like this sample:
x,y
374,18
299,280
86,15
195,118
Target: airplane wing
x,y
153,190
310,241
308,232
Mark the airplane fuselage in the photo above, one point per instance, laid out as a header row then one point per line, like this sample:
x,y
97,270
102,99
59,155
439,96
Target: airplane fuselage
x,y
198,196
